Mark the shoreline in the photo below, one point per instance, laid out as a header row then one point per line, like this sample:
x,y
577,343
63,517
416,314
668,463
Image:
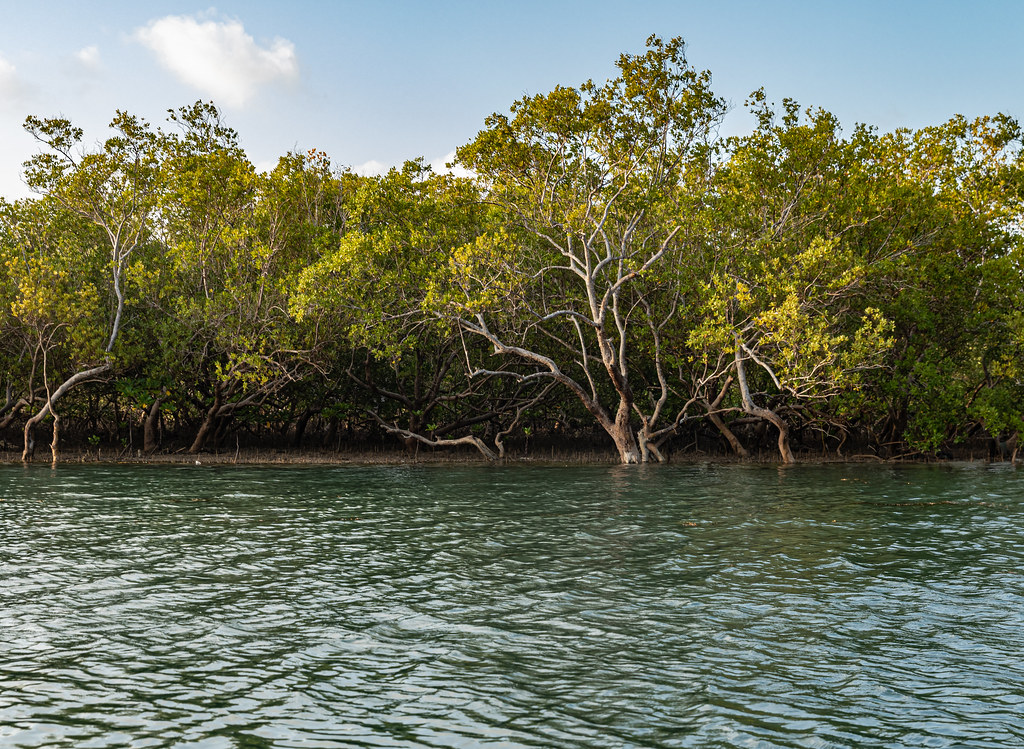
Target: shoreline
x,y
400,457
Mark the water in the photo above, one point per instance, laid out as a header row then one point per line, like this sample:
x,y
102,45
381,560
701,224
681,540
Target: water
x,y
695,606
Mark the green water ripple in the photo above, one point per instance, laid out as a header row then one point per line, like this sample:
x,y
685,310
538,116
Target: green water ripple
x,y
694,606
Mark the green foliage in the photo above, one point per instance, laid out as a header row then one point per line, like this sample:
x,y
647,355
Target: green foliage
x,y
389,270
609,241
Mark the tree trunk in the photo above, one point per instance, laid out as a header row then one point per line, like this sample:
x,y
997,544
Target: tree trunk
x,y
730,436
30,425
300,427
649,450
55,442
626,444
780,424
149,436
415,427
764,413
624,436
223,423
207,427
620,430
719,422
29,449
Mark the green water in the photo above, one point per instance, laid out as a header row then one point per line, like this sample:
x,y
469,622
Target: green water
x,y
696,606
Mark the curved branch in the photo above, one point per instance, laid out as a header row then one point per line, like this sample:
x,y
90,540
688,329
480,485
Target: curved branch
x,y
469,439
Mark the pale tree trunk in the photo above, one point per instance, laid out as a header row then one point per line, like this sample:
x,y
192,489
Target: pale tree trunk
x,y
649,450
764,413
415,438
29,448
719,422
624,436
55,442
619,429
30,425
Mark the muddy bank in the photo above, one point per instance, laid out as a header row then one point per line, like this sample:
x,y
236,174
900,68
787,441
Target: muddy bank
x,y
385,455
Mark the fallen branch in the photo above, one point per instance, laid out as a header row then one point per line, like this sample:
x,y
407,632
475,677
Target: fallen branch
x,y
469,439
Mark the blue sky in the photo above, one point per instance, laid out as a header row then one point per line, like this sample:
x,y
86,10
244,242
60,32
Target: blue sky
x,y
375,83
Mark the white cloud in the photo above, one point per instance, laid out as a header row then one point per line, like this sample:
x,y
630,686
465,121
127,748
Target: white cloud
x,y
372,168
218,57
14,89
265,166
9,84
89,58
440,166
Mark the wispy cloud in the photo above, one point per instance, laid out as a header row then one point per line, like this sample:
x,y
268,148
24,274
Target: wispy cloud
x,y
88,58
9,84
218,57
371,168
374,168
440,166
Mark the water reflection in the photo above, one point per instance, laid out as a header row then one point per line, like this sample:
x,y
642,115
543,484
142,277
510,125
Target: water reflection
x,y
683,606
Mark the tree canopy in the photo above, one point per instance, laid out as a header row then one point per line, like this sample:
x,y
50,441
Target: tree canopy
x,y
614,272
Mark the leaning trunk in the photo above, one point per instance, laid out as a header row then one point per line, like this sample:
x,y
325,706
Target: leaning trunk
x,y
730,436
56,395
780,424
649,450
763,413
208,425
205,430
300,427
149,438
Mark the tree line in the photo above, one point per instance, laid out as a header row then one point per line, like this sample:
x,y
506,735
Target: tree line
x,y
613,269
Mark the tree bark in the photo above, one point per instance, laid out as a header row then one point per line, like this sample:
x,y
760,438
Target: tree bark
x,y
300,427
764,413
149,436
208,425
730,436
29,434
624,436
469,439
719,422
619,429
55,442
649,448
29,449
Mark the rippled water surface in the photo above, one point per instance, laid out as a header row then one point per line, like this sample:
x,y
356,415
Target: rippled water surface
x,y
696,606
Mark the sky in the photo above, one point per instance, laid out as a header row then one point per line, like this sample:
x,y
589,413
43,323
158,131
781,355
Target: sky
x,y
377,82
